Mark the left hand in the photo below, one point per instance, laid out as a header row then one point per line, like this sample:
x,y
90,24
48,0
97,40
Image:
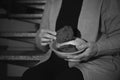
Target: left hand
x,y
87,54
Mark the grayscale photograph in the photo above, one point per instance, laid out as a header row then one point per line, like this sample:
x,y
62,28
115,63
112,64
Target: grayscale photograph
x,y
59,39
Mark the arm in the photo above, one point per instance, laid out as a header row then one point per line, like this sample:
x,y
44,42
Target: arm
x,y
110,45
43,25
111,23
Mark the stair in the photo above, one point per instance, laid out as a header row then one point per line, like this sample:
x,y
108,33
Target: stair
x,y
19,20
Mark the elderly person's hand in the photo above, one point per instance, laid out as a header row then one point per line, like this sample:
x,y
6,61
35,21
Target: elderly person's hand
x,y
90,51
46,36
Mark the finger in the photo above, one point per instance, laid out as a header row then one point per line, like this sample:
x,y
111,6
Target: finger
x,y
73,60
45,40
48,31
77,59
85,59
79,56
49,36
44,44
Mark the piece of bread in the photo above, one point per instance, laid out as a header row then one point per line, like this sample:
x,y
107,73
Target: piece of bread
x,y
63,35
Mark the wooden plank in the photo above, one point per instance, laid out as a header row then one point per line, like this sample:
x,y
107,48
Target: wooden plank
x,y
32,1
37,6
20,57
20,48
37,16
11,25
5,34
14,43
35,21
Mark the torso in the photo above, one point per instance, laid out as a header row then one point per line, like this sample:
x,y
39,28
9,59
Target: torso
x,y
69,14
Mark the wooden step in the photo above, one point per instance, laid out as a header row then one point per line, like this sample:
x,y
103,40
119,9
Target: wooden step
x,y
32,1
37,6
17,34
35,16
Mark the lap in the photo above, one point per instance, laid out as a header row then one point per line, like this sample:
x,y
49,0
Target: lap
x,y
70,74
51,69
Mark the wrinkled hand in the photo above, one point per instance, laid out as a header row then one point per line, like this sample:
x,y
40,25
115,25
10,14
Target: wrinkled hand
x,y
91,50
46,36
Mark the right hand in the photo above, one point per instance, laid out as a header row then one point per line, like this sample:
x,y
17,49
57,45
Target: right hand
x,y
46,36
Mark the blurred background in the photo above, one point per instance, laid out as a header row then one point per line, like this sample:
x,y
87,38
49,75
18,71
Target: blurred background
x,y
19,21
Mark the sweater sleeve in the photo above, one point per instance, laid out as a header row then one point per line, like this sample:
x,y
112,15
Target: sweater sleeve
x,y
110,17
44,24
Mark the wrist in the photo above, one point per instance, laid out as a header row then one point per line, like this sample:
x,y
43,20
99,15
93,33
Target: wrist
x,y
45,48
96,49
